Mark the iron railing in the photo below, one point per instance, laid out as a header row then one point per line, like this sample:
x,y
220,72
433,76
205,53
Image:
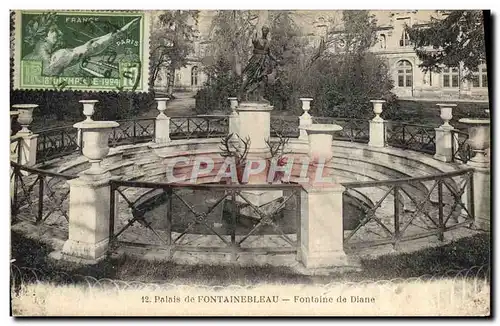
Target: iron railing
x,y
133,131
460,148
56,142
38,193
202,126
354,130
413,208
287,126
231,217
419,138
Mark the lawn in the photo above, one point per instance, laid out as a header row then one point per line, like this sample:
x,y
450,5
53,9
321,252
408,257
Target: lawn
x,y
457,255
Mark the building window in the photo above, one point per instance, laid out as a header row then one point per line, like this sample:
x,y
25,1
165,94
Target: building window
x,y
405,74
480,77
194,76
451,77
405,39
382,41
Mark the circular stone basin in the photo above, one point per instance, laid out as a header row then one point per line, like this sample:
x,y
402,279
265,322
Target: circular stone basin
x,y
155,206
322,128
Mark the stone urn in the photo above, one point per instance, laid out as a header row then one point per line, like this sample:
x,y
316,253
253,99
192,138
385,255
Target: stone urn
x,y
446,113
479,140
95,143
233,102
161,105
25,117
306,104
377,108
320,141
88,108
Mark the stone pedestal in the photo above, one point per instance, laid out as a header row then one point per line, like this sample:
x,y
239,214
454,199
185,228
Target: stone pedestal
x,y
255,123
322,233
482,198
27,148
162,122
444,145
89,213
305,120
89,197
479,141
377,126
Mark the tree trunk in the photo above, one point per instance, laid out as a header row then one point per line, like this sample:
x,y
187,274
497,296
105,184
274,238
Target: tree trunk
x,y
171,81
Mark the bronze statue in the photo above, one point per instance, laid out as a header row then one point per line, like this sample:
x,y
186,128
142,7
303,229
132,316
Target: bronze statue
x,y
260,66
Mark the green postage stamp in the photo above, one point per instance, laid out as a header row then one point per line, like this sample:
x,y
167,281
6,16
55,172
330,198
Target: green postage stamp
x,y
81,50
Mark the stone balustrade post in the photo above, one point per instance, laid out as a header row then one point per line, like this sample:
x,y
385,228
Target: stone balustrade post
x,y
162,122
89,198
321,227
305,120
377,126
479,141
444,136
28,144
322,232
234,118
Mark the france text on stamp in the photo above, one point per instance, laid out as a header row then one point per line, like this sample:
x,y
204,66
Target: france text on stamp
x,y
77,50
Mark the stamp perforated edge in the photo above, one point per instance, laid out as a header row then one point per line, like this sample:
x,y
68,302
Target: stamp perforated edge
x,y
146,26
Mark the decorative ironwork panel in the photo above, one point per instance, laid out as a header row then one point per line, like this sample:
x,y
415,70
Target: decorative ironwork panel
x,y
56,142
39,196
354,130
210,217
412,208
133,131
286,126
461,150
410,136
198,127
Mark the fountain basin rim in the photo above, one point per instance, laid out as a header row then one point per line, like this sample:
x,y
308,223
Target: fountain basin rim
x,y
162,98
88,101
96,124
319,128
446,105
25,106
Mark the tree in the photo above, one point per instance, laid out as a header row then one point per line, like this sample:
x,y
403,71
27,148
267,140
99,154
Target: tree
x,y
173,41
458,38
230,37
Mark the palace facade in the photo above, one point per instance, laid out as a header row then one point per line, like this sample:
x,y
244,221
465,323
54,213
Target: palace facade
x,y
410,82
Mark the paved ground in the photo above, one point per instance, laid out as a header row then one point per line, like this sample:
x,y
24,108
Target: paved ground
x,y
182,105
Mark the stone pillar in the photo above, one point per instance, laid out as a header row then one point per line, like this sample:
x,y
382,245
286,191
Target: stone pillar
x,y
377,126
305,120
444,137
28,144
255,122
162,123
479,141
321,227
89,198
234,120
